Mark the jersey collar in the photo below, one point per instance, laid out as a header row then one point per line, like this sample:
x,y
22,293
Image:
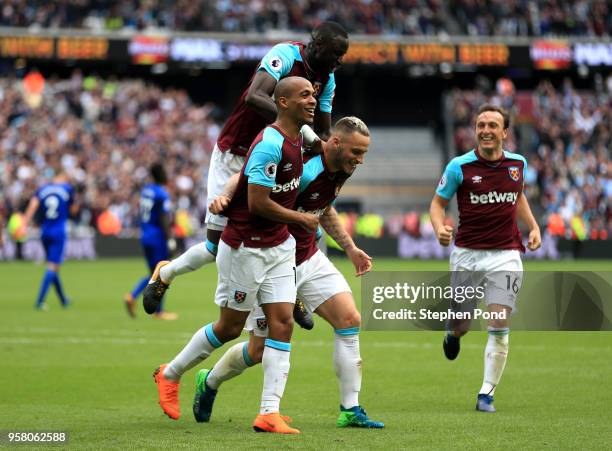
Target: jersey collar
x,y
489,162
294,142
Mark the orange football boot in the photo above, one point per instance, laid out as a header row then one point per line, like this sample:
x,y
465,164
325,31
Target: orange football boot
x,y
168,393
273,422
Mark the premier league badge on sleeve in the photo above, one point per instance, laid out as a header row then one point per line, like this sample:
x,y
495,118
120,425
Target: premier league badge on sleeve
x,y
442,183
514,173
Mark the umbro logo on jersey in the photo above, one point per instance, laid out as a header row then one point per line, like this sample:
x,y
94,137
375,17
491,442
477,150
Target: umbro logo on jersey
x,y
287,167
314,196
477,179
493,197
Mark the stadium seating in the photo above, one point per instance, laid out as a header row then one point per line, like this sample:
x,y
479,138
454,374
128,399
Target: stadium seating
x,y
391,17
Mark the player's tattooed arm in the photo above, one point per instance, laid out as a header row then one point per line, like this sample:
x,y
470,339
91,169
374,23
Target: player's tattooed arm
x,y
330,221
334,227
259,95
437,213
524,214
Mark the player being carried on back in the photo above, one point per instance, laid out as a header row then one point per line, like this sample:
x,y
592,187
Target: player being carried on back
x,y
489,183
319,284
316,62
256,261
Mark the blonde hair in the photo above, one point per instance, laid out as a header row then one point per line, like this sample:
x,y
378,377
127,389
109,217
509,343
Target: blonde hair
x,y
350,124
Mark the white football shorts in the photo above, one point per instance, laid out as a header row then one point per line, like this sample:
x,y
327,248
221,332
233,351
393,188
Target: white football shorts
x,y
500,270
317,281
222,166
249,276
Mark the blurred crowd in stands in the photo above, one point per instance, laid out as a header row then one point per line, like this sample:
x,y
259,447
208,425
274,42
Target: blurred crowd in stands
x,y
533,18
566,136
105,135
395,17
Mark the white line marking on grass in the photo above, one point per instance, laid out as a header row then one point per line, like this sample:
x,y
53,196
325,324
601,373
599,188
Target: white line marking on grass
x,y
306,344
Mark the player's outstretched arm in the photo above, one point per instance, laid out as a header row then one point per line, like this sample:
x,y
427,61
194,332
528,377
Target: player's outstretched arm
x,y
259,95
260,204
333,226
525,215
437,213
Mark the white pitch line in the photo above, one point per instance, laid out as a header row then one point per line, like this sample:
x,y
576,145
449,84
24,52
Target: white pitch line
x,y
306,344
112,332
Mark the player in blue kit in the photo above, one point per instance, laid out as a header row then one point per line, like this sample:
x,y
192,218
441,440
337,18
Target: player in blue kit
x,y
155,234
56,201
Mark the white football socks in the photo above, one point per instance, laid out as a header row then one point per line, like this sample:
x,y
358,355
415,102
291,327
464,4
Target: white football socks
x,y
347,363
276,370
235,360
193,258
495,356
201,345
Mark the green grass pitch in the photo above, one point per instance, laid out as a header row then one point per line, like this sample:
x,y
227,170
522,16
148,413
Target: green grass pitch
x,y
87,371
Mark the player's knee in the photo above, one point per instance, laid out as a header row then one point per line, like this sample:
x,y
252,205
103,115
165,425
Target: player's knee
x,y
256,352
350,319
228,331
281,328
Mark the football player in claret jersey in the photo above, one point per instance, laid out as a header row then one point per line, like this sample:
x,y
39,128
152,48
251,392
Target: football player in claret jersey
x,y
489,183
256,261
316,62
319,284
155,214
56,203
